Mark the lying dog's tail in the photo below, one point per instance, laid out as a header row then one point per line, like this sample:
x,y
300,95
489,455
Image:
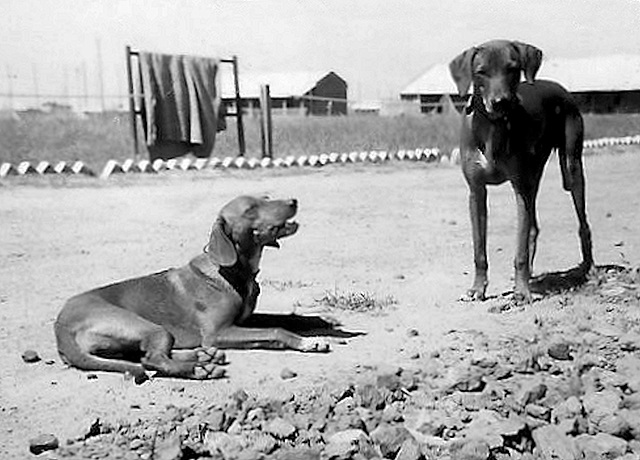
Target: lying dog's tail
x,y
570,149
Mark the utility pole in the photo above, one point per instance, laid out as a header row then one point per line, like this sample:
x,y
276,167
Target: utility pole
x,y
100,74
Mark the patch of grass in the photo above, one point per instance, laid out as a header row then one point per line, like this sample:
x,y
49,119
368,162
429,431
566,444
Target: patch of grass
x,y
285,285
356,301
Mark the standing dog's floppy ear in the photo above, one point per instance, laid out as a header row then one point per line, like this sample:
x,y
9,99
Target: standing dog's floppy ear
x,y
461,70
220,248
530,60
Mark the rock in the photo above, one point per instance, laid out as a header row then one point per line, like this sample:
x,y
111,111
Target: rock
x,y
169,448
471,449
30,356
531,393
344,422
263,443
215,421
371,419
468,382
344,406
369,396
569,426
392,414
410,450
538,411
297,453
629,341
632,418
344,444
551,444
429,422
287,374
496,431
587,361
614,425
280,429
43,443
567,409
598,405
601,445
218,442
390,438
560,351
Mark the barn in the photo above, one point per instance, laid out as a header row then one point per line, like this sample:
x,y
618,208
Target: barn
x,y
292,93
605,84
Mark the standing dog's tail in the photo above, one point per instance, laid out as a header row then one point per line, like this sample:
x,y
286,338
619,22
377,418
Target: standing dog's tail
x,y
570,150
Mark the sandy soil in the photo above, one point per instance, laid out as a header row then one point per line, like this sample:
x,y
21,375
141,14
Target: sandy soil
x,y
397,230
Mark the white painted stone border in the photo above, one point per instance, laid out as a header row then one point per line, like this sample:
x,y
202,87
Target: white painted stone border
x,y
113,167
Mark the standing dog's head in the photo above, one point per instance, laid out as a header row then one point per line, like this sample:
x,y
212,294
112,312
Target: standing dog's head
x,y
246,225
495,68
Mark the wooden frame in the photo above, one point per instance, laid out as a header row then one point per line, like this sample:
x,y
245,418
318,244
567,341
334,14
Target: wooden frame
x,y
135,100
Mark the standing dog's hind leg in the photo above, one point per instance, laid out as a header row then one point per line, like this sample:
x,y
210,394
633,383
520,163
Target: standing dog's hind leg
x,y
574,129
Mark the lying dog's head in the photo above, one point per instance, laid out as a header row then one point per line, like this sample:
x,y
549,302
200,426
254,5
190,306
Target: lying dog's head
x,y
495,68
247,224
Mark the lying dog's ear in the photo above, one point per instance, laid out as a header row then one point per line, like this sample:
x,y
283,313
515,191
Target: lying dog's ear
x,y
220,247
461,70
530,60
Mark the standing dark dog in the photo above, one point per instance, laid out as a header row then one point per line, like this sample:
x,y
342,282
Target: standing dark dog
x,y
174,321
508,132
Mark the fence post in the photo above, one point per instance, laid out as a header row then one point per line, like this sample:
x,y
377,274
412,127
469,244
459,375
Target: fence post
x,y
239,123
132,104
266,127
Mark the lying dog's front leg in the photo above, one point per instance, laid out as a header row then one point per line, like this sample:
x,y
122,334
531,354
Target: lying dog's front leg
x,y
268,338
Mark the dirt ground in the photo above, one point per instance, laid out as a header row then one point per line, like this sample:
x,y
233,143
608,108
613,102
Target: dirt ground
x,y
397,231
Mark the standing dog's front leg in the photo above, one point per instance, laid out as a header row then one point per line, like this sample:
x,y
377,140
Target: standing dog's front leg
x,y
522,261
478,213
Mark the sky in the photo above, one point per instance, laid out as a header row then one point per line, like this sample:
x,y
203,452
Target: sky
x,y
377,46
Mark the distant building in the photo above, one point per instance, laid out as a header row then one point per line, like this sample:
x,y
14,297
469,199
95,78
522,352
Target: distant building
x,y
292,93
605,84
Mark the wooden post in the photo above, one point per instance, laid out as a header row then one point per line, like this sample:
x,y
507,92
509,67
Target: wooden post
x,y
236,83
266,127
132,104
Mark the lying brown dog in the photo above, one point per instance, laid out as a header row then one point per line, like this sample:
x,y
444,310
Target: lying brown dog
x,y
174,321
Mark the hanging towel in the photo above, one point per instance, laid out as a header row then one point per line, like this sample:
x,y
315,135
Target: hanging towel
x,y
182,108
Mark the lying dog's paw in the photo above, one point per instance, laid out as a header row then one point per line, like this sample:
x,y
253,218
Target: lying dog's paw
x,y
314,345
207,366
211,355
207,371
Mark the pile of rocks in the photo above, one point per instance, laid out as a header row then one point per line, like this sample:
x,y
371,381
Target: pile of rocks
x,y
566,390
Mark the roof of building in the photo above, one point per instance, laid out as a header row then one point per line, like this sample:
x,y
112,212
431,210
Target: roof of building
x,y
281,84
617,72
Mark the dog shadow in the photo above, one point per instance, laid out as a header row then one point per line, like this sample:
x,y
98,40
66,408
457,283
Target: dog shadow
x,y
305,326
565,280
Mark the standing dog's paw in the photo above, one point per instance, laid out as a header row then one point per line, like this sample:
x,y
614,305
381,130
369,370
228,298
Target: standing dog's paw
x,y
473,295
314,345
